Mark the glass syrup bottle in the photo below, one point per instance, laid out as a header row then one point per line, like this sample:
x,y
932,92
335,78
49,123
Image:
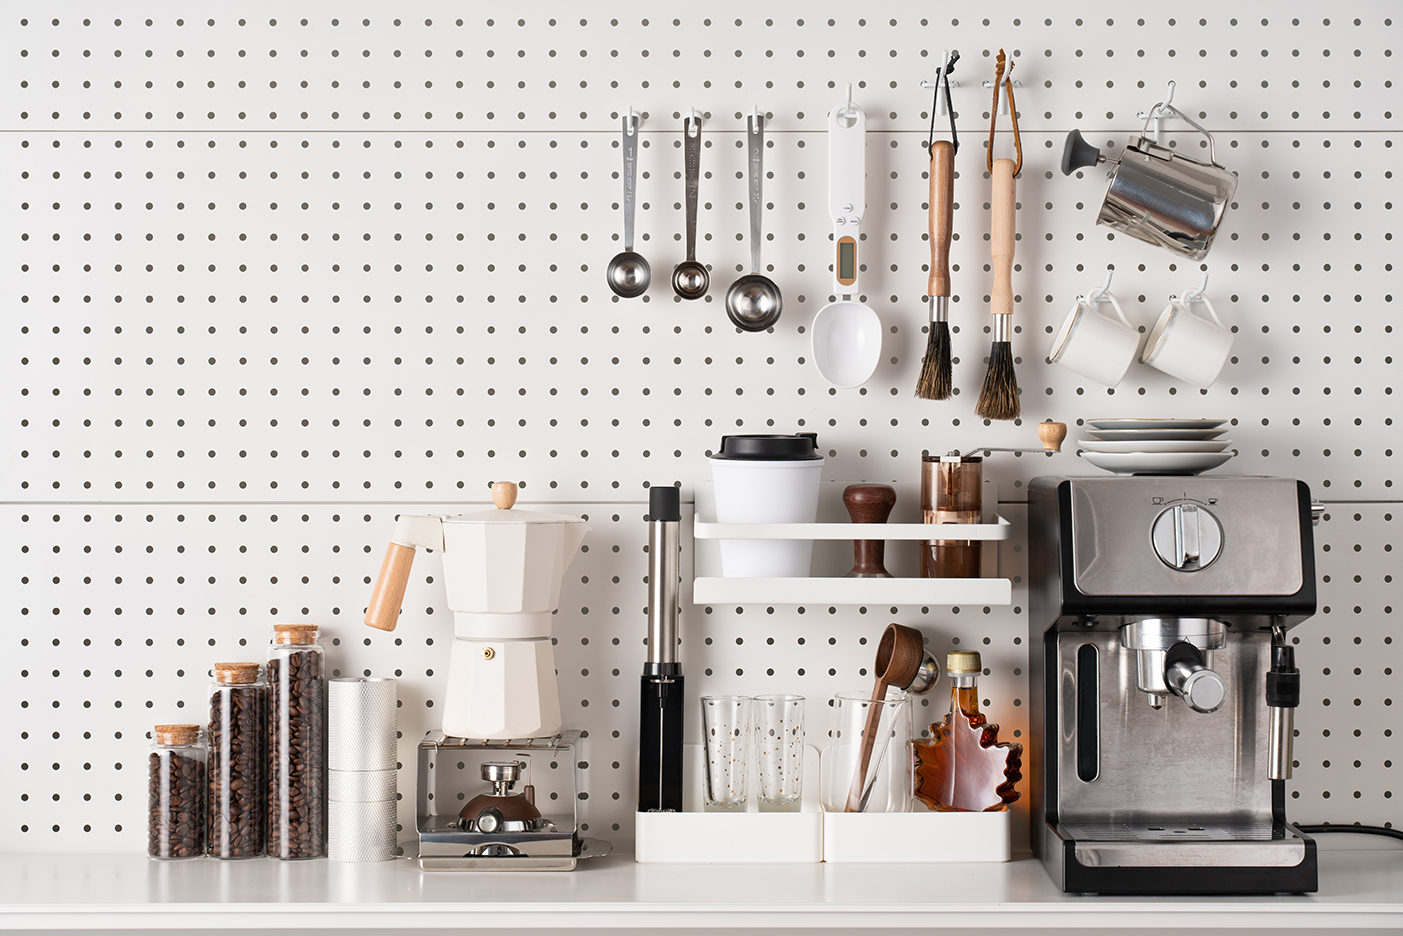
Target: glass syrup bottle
x,y
964,767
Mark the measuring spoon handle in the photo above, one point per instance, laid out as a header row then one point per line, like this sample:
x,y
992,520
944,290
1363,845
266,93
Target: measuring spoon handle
x,y
630,147
755,145
692,154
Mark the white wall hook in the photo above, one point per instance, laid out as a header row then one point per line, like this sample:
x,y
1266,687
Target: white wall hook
x,y
1160,112
1003,98
940,109
1100,294
1194,295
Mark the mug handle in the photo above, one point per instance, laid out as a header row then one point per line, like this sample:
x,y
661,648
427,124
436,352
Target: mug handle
x,y
1116,305
1188,301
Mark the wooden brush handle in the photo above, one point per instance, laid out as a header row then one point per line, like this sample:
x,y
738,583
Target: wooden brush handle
x,y
942,216
1001,228
388,593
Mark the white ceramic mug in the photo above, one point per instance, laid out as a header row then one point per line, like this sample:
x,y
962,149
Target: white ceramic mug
x,y
1095,345
1186,345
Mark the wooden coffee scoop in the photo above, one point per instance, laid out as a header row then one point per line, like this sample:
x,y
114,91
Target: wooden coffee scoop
x,y
902,661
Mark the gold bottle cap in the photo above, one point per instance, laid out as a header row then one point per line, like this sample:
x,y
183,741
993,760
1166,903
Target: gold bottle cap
x,y
963,661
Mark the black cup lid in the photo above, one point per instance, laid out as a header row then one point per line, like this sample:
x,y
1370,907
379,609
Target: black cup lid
x,y
802,446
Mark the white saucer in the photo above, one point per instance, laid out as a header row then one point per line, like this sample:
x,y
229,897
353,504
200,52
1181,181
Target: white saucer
x,y
1125,423
1150,446
1161,463
1156,435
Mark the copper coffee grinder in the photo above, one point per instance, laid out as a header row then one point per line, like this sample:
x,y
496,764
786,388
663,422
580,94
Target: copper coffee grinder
x,y
952,492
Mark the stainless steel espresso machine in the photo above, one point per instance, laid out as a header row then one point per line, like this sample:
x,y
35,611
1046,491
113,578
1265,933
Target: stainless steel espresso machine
x,y
1163,684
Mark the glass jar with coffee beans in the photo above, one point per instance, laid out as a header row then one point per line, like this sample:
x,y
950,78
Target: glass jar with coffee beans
x,y
238,728
176,793
296,743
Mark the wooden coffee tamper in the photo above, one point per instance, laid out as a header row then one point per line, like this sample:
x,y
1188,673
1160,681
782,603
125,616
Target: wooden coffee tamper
x,y
869,503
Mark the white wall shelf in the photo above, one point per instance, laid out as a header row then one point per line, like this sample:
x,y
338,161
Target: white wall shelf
x,y
833,556
1360,891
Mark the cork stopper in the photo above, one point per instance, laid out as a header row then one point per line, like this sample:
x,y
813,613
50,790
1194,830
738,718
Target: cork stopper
x,y
236,673
961,662
176,734
295,633
504,494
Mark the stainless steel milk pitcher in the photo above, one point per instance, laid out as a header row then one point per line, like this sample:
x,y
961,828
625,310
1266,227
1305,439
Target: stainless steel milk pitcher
x,y
1157,195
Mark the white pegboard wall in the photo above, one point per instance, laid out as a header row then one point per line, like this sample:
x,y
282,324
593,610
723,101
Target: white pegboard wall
x,y
369,279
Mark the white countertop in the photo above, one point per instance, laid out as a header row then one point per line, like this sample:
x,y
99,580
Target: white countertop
x,y
1360,889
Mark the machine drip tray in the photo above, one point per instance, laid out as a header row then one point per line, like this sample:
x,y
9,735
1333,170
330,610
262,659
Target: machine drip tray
x,y
1123,845
1166,831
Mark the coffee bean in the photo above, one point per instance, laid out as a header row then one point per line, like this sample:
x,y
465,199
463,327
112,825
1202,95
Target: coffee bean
x,y
297,755
237,800
176,805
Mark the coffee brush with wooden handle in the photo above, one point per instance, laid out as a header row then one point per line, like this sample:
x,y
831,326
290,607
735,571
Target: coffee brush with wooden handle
x,y
999,397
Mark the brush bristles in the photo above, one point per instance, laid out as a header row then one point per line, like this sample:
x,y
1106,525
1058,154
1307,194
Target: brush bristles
x,y
934,383
999,397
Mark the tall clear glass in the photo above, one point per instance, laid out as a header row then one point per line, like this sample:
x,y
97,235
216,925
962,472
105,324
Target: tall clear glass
x,y
726,738
779,751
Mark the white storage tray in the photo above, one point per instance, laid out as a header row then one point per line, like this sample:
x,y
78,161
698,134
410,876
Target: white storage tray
x,y
693,836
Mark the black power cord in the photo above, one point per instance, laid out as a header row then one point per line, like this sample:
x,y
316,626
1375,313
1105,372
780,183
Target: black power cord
x,y
1367,829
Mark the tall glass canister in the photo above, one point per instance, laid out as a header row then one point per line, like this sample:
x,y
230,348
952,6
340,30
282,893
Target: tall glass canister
x,y
238,726
296,674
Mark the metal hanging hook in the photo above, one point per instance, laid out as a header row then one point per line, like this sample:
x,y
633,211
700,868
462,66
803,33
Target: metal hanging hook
x,y
632,121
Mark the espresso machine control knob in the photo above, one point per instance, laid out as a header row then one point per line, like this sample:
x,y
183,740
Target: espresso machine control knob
x,y
1197,685
1187,537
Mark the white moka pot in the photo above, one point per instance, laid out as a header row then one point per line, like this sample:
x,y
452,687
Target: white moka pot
x,y
502,571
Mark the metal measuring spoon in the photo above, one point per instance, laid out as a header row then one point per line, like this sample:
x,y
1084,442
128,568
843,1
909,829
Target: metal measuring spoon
x,y
628,273
690,280
754,302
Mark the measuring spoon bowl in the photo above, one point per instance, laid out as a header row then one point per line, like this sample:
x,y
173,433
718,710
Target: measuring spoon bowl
x,y
629,275
690,279
754,302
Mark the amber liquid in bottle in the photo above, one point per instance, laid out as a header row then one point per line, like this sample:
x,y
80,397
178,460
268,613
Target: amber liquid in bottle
x,y
965,768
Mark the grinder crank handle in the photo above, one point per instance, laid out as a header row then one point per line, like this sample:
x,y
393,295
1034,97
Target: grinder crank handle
x,y
1001,236
942,217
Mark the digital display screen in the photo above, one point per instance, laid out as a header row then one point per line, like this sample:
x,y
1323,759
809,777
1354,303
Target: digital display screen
x,y
847,260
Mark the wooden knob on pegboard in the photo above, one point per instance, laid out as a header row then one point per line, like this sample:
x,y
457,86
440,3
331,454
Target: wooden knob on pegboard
x,y
1052,434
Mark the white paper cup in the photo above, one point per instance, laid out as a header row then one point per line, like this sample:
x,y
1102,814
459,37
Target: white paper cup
x,y
1093,344
1188,346
766,492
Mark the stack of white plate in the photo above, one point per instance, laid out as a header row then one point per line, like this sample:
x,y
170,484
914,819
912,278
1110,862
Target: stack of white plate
x,y
1156,446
